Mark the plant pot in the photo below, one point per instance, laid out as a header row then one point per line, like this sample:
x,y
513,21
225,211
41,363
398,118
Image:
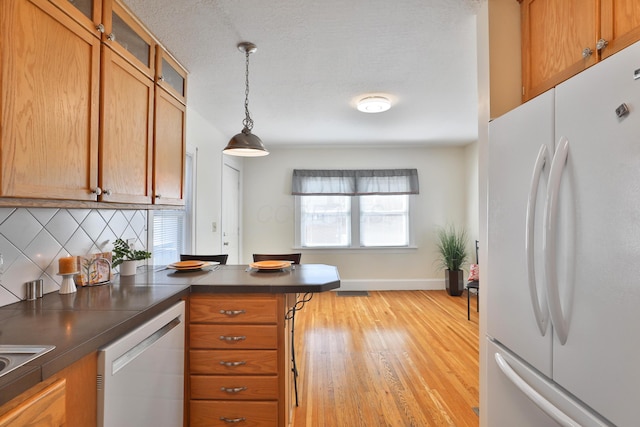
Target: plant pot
x,y
454,281
128,268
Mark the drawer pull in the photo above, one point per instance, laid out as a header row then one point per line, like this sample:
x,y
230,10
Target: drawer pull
x,y
232,339
232,312
233,420
231,364
233,389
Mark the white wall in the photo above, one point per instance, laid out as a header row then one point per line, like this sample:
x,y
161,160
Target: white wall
x,y
471,185
268,221
209,143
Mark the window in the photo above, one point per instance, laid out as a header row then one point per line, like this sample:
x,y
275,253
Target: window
x,y
172,228
354,208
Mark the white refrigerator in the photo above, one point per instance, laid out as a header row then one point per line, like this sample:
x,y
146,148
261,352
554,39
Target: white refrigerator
x,y
563,294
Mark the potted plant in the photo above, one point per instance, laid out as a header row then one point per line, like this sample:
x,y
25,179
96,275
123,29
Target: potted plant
x,y
452,256
127,257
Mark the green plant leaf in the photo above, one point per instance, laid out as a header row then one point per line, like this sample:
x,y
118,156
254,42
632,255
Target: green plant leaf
x,y
122,252
452,245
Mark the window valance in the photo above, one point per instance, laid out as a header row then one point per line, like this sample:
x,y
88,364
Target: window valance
x,y
354,182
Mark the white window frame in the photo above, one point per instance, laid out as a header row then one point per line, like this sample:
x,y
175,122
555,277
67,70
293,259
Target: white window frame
x,y
355,227
191,221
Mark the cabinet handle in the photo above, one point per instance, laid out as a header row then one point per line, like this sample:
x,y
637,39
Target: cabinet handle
x,y
100,28
233,389
106,192
232,420
232,339
161,79
586,52
232,364
111,37
158,196
601,44
232,312
97,191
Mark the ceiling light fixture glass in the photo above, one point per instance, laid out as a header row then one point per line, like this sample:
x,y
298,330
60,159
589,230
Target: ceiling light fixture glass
x,y
374,104
245,143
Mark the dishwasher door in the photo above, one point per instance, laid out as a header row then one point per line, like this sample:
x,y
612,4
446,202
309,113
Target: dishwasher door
x,y
141,375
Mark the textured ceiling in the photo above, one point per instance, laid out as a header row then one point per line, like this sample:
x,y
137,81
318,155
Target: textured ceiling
x,y
315,58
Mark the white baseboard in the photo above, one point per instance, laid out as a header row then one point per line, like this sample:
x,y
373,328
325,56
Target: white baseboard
x,y
392,285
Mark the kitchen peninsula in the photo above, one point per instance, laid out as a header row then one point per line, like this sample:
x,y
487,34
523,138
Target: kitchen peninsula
x,y
79,324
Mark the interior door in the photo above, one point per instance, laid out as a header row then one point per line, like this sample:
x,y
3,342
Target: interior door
x,y
231,213
515,143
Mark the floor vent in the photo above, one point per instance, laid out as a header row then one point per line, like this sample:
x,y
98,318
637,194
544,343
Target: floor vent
x,y
353,293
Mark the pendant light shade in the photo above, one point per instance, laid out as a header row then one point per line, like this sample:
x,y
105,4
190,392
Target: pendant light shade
x,y
245,143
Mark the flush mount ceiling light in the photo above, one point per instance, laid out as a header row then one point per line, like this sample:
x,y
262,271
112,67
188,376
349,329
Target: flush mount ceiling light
x,y
374,104
245,143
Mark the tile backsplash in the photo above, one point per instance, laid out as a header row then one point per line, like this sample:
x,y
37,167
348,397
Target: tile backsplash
x,y
33,239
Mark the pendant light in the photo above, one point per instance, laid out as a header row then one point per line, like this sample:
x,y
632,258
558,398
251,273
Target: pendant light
x,y
245,143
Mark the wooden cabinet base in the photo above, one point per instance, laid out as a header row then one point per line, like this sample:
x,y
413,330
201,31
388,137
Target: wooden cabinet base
x,y
43,405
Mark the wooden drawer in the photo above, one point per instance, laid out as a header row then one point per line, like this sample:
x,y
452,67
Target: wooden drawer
x,y
206,413
233,361
234,387
234,336
234,309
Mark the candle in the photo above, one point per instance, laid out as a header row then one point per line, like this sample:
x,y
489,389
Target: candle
x,y
67,265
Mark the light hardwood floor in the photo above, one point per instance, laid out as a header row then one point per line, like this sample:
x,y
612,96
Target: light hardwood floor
x,y
398,358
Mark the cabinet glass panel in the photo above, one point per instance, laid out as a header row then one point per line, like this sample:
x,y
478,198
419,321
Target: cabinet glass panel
x,y
131,41
172,77
84,6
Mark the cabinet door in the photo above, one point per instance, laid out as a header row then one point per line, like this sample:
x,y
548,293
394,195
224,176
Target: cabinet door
x,y
126,132
87,13
169,150
555,34
170,75
45,407
50,89
126,36
620,24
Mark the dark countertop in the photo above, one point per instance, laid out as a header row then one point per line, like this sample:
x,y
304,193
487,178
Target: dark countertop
x,y
81,323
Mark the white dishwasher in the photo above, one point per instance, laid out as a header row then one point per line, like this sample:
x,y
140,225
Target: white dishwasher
x,y
141,375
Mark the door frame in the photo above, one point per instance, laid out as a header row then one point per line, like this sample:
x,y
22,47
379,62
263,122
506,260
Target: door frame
x,y
234,163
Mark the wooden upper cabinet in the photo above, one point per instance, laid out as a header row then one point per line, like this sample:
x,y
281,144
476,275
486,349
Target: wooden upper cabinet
x,y
126,132
170,75
169,150
128,37
558,41
49,107
560,38
77,109
620,24
169,133
87,13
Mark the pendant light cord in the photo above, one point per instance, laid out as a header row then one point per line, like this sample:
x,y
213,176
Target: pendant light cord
x,y
247,122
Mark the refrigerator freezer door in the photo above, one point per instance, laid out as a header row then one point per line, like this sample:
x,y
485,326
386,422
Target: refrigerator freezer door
x,y
519,396
520,143
601,296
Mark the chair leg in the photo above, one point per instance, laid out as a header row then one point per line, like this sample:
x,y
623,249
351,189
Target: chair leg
x,y
294,367
478,299
468,302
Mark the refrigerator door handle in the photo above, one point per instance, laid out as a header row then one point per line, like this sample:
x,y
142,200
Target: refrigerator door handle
x,y
540,308
542,403
558,320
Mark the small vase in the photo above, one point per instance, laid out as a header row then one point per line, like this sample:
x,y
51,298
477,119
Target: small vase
x,y
128,268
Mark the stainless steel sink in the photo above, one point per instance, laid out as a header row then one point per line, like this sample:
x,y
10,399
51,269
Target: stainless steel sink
x,y
14,356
